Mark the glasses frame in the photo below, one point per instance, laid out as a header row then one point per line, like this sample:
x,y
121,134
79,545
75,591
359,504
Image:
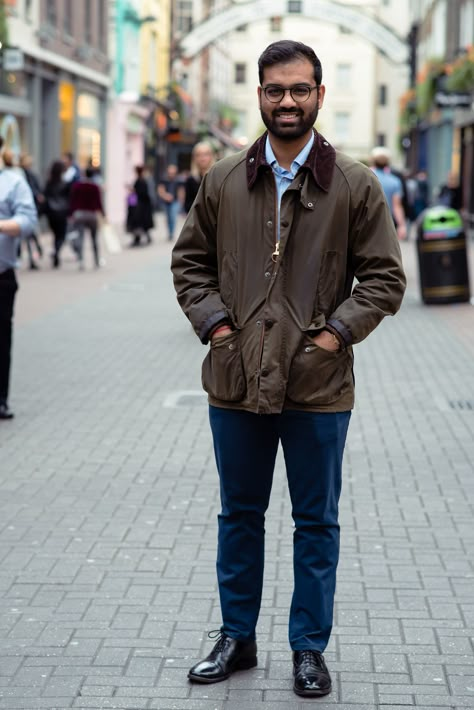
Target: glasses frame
x,y
310,90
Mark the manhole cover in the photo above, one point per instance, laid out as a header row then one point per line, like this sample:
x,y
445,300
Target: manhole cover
x,y
462,405
186,398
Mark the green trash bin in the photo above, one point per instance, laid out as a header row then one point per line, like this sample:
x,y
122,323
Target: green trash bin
x,y
442,256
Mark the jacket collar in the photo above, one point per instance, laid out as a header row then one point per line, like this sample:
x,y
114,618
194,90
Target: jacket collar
x,y
320,161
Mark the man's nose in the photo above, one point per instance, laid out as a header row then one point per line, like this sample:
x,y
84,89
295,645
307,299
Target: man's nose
x,y
287,99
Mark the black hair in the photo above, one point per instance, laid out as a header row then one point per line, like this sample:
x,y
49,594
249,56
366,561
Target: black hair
x,y
56,171
90,172
286,50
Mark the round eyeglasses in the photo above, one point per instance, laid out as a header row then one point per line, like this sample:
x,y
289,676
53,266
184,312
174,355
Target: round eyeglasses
x,y
299,93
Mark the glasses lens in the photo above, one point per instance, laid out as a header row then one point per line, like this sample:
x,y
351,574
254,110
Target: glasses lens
x,y
300,93
274,93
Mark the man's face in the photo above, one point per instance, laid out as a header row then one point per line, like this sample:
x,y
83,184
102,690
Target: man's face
x,y
290,119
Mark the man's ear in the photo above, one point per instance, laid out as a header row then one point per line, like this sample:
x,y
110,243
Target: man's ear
x,y
321,94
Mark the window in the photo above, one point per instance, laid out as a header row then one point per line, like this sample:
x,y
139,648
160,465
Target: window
x,y
184,16
51,16
383,94
294,6
381,139
240,71
67,17
343,76
276,24
241,28
28,7
101,19
88,21
342,125
466,23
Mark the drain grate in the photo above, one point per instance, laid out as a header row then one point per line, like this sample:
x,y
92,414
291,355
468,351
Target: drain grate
x,y
186,398
461,405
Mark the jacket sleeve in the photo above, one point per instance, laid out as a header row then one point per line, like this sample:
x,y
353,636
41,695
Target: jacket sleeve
x,y
194,264
375,261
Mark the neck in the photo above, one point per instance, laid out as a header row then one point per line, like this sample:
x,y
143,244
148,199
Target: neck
x,y
286,151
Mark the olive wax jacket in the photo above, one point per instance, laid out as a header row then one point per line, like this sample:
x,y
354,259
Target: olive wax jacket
x,y
339,267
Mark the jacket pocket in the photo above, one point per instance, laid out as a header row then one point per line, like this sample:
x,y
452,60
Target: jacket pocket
x,y
318,377
222,370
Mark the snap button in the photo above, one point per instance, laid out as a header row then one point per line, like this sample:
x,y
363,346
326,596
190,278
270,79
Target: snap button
x,y
252,160
265,372
268,324
259,323
284,224
269,223
310,204
267,274
308,349
231,346
325,143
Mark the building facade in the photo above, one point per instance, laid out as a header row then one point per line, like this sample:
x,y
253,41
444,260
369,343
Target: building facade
x,y
438,112
61,87
140,47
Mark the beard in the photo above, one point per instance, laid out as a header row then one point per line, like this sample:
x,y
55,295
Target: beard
x,y
290,130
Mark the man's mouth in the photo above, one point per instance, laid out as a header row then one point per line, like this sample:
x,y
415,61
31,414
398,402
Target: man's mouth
x,y
286,116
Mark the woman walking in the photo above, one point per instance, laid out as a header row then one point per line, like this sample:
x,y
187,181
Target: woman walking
x,y
56,194
140,209
84,206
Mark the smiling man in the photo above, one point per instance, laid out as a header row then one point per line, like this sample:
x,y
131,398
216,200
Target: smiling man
x,y
264,270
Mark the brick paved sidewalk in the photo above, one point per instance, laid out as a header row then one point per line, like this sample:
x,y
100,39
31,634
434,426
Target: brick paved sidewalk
x,y
108,502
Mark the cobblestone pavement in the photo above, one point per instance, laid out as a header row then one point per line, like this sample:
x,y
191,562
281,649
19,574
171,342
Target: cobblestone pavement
x,y
108,502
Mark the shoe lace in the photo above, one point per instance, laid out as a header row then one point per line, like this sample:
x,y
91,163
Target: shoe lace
x,y
313,659
220,637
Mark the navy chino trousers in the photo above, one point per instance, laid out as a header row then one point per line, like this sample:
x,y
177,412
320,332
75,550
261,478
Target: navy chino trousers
x,y
245,446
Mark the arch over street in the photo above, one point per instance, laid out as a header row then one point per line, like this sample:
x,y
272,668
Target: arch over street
x,y
381,36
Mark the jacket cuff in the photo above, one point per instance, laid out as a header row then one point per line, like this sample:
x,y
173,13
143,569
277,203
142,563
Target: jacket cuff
x,y
205,330
342,333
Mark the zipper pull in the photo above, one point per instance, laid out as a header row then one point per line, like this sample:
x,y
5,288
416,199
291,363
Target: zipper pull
x,y
276,253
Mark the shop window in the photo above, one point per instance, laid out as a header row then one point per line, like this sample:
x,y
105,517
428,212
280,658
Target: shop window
x,y
67,97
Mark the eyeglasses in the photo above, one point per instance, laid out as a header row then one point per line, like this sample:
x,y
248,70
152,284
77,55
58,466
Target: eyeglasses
x,y
298,93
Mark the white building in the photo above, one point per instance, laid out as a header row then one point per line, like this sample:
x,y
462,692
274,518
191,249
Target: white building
x,y
362,85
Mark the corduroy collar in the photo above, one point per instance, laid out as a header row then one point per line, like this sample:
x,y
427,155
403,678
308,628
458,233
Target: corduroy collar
x,y
320,161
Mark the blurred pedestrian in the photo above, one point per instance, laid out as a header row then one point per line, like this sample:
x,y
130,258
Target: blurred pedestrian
x,y
450,193
421,200
202,159
170,191
85,205
17,218
72,171
392,187
56,195
264,269
32,239
140,212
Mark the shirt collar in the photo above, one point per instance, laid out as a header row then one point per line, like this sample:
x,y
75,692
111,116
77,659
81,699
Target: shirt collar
x,y
297,162
320,161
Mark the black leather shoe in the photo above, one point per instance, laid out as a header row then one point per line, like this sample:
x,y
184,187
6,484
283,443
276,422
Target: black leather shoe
x,y
227,656
5,412
312,677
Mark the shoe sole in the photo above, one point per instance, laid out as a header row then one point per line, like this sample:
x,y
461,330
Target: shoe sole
x,y
243,665
312,693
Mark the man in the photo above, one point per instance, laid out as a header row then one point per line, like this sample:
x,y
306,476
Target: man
x,y
17,219
170,190
392,187
72,171
264,270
